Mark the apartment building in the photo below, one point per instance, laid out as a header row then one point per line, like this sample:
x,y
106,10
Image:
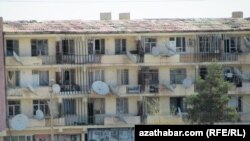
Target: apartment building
x,y
113,74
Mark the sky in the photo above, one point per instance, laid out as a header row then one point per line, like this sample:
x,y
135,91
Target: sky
x,y
139,9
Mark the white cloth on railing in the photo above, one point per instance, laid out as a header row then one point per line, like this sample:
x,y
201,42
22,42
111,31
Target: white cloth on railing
x,y
247,42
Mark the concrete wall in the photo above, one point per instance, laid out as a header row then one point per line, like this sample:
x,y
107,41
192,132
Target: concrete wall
x,y
2,81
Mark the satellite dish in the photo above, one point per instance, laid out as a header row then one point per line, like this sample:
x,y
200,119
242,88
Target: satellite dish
x,y
39,115
100,87
187,82
56,88
19,122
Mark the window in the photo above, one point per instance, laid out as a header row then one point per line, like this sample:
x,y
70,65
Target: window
x,y
209,44
177,105
235,102
69,77
122,77
152,105
18,138
13,107
39,47
40,78
231,45
177,76
41,105
96,46
12,46
68,47
204,44
13,79
69,106
96,75
120,46
149,43
180,44
122,105
203,73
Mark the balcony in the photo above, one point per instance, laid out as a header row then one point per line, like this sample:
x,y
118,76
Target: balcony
x,y
70,59
209,57
115,59
23,60
245,89
164,119
177,89
122,119
44,91
123,90
150,59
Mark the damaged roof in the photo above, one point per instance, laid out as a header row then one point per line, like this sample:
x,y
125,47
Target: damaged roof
x,y
129,26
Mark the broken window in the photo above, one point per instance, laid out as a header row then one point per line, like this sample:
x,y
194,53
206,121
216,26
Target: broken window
x,y
149,43
13,107
122,77
39,47
177,76
122,105
41,105
12,46
13,79
120,46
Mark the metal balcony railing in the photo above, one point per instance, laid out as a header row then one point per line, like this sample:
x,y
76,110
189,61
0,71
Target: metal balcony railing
x,y
70,59
208,57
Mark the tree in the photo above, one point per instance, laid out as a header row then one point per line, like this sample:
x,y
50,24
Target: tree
x,y
210,104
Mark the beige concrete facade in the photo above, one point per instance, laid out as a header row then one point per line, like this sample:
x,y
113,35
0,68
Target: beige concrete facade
x,y
158,78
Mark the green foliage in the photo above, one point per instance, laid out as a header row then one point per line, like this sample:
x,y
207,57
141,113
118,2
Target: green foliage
x,y
210,105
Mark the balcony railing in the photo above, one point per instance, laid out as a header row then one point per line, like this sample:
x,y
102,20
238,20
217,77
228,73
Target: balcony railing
x,y
44,91
70,59
208,57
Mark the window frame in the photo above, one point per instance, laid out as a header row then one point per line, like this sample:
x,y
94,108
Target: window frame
x,y
180,48
120,46
149,43
39,47
176,74
122,106
123,76
16,75
45,107
15,106
13,48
